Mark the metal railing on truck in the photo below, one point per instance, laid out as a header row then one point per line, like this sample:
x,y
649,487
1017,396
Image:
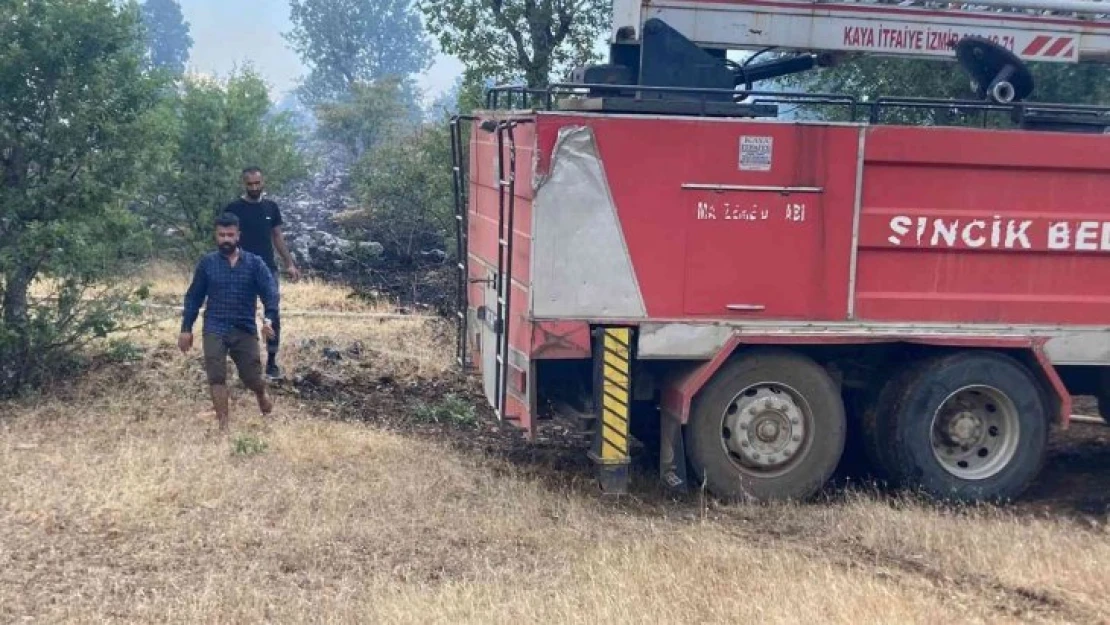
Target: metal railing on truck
x,y
705,96
835,107
462,234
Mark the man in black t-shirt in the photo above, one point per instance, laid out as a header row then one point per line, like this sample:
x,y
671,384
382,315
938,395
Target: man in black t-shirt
x,y
260,233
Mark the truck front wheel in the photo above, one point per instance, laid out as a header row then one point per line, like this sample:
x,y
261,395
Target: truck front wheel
x,y
968,426
770,425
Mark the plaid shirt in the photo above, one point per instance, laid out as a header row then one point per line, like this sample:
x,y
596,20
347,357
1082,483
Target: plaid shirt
x,y
231,293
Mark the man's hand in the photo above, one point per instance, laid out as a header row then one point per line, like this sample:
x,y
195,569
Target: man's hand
x,y
185,342
268,330
294,273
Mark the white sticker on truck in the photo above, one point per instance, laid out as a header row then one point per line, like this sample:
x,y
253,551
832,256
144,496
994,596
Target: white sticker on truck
x,y
756,153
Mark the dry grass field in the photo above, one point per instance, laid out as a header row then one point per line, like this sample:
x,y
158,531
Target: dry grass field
x,y
374,496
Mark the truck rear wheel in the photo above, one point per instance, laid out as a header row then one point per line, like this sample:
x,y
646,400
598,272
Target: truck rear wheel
x,y
770,425
968,426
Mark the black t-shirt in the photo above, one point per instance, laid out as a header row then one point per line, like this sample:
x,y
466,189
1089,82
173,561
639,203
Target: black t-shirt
x,y
256,223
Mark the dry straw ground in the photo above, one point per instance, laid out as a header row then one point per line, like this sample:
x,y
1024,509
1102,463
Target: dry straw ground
x,y
118,504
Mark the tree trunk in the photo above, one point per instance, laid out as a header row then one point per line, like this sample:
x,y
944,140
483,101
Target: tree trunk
x,y
15,347
16,287
536,76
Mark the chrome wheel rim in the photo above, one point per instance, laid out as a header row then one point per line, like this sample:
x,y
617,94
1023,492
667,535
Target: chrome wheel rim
x,y
975,432
766,429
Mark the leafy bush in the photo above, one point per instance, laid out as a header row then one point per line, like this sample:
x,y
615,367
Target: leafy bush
x,y
207,132
247,445
76,118
450,410
405,196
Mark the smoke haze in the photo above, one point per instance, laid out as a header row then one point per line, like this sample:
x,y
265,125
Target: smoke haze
x,y
229,33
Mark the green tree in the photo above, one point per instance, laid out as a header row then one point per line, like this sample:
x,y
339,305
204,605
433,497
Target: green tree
x,y
167,35
74,117
871,76
1077,84
214,129
868,77
345,42
373,113
510,40
404,190
464,96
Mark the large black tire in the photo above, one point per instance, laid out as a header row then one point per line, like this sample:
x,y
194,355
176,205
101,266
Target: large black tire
x,y
806,416
874,429
992,448
856,465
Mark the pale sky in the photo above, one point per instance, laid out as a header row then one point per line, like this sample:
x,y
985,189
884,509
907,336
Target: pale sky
x,y
227,33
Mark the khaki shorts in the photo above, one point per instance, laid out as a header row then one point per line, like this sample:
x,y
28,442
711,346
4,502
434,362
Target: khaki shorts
x,y
243,349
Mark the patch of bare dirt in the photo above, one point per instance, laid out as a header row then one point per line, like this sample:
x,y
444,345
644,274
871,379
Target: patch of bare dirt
x,y
1074,478
354,383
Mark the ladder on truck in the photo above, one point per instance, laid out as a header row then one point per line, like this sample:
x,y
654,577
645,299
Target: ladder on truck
x,y
506,213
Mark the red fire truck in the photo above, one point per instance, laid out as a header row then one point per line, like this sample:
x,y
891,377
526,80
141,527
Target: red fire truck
x,y
658,251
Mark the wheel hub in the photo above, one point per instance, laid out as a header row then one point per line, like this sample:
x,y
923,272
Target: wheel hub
x,y
975,432
768,431
764,428
965,428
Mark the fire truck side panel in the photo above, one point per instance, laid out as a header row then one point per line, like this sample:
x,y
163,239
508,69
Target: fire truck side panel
x,y
746,220
768,249
969,226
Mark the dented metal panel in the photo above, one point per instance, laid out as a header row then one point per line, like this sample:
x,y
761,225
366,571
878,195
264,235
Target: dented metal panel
x,y
682,340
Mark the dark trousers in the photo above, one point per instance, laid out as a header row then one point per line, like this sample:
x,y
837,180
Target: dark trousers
x,y
242,347
273,344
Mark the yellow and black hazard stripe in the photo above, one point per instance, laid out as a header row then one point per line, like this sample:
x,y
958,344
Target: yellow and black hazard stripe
x,y
616,395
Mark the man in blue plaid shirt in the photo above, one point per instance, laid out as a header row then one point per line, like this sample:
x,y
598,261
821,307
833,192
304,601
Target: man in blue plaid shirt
x,y
231,280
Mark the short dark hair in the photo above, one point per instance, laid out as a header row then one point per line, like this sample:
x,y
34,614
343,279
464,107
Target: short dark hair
x,y
227,220
253,169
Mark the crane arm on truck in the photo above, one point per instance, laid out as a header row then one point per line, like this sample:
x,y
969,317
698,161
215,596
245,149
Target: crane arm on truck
x,y
1065,31
677,45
